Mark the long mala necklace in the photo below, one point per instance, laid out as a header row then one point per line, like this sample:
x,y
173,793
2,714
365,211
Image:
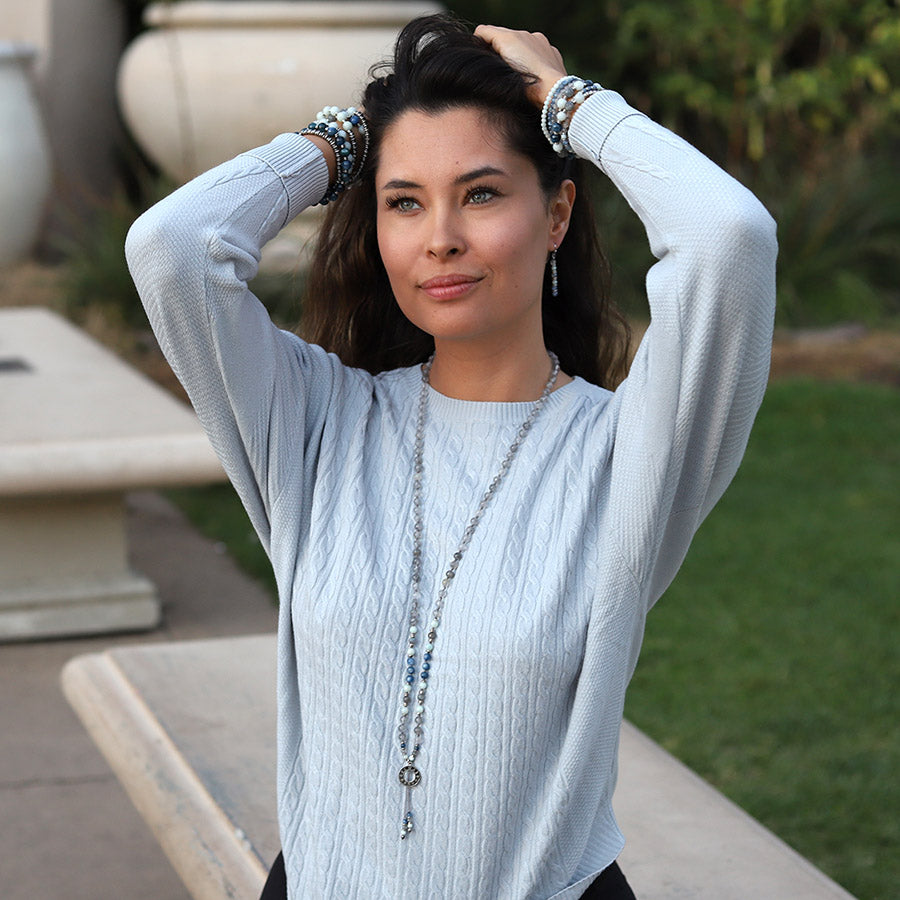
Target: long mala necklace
x,y
410,775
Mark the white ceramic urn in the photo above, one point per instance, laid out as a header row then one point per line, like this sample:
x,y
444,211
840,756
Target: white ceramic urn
x,y
210,79
25,168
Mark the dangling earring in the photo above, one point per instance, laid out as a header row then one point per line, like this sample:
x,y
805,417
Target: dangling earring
x,y
554,279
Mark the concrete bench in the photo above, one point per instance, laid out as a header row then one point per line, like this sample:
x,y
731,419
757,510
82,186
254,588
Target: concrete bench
x,y
79,428
189,729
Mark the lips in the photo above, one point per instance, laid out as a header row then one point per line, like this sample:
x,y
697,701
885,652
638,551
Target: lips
x,y
447,287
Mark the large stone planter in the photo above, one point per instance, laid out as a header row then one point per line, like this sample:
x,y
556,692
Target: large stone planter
x,y
25,169
211,79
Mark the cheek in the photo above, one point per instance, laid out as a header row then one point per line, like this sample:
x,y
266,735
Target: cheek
x,y
518,250
391,248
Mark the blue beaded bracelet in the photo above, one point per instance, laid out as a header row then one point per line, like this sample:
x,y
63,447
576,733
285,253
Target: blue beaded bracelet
x,y
344,130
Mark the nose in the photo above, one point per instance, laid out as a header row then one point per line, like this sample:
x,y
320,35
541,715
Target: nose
x,y
445,236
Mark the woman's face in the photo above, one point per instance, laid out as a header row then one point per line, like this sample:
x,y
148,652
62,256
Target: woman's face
x,y
464,228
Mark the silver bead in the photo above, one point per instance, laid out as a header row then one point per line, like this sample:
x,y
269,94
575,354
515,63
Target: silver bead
x,y
418,528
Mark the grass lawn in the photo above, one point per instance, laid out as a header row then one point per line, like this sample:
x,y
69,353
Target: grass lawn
x,y
770,666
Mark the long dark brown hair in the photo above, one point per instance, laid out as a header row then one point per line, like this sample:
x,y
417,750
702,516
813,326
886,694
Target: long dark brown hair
x,y
349,308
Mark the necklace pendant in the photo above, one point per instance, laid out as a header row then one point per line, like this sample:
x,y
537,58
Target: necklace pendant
x,y
406,826
410,776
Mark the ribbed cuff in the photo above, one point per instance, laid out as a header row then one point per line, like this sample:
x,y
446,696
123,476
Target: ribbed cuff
x,y
594,121
301,167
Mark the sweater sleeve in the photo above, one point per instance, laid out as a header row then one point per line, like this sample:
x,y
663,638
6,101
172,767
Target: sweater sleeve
x,y
686,408
191,257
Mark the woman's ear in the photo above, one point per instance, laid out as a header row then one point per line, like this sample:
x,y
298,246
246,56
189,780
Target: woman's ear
x,y
561,211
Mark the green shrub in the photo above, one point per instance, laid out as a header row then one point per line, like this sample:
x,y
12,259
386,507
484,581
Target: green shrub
x,y
96,277
839,253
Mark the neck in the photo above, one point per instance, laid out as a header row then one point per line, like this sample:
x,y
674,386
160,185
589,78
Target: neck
x,y
467,373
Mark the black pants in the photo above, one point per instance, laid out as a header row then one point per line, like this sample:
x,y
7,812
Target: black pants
x,y
610,884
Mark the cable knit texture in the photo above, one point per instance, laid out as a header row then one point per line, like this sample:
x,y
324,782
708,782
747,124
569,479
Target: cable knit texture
x,y
544,620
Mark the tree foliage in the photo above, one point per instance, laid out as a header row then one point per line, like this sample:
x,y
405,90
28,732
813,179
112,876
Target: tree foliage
x,y
747,80
787,80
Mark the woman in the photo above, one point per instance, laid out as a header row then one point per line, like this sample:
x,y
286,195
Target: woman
x,y
461,494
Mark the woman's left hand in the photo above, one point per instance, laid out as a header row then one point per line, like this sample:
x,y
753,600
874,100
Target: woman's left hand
x,y
528,52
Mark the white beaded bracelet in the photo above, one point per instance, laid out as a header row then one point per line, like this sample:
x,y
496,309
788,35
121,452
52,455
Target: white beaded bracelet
x,y
559,106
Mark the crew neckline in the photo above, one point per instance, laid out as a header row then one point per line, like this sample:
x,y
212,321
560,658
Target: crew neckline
x,y
500,412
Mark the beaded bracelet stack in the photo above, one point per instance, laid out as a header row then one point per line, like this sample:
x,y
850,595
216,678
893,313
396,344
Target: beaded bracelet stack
x,y
346,131
563,99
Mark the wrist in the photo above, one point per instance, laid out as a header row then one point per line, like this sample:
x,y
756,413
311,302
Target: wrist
x,y
545,84
327,152
560,104
345,134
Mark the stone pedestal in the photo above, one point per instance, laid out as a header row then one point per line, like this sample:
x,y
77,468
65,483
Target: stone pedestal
x,y
64,569
78,429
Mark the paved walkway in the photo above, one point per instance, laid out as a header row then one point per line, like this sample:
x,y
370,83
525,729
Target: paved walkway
x,y
67,829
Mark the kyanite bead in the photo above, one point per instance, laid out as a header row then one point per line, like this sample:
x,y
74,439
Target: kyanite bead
x,y
410,679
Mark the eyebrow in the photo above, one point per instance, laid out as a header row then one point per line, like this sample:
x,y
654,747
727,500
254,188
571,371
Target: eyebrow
x,y
466,177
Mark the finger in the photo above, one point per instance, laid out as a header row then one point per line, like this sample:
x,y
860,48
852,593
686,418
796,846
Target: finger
x,y
528,52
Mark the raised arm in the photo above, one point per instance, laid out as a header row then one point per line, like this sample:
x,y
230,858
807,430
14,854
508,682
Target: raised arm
x,y
191,257
687,406
685,411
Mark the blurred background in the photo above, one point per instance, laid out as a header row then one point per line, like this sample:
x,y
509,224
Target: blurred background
x,y
771,665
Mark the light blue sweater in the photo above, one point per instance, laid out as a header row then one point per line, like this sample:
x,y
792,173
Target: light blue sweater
x,y
543,624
